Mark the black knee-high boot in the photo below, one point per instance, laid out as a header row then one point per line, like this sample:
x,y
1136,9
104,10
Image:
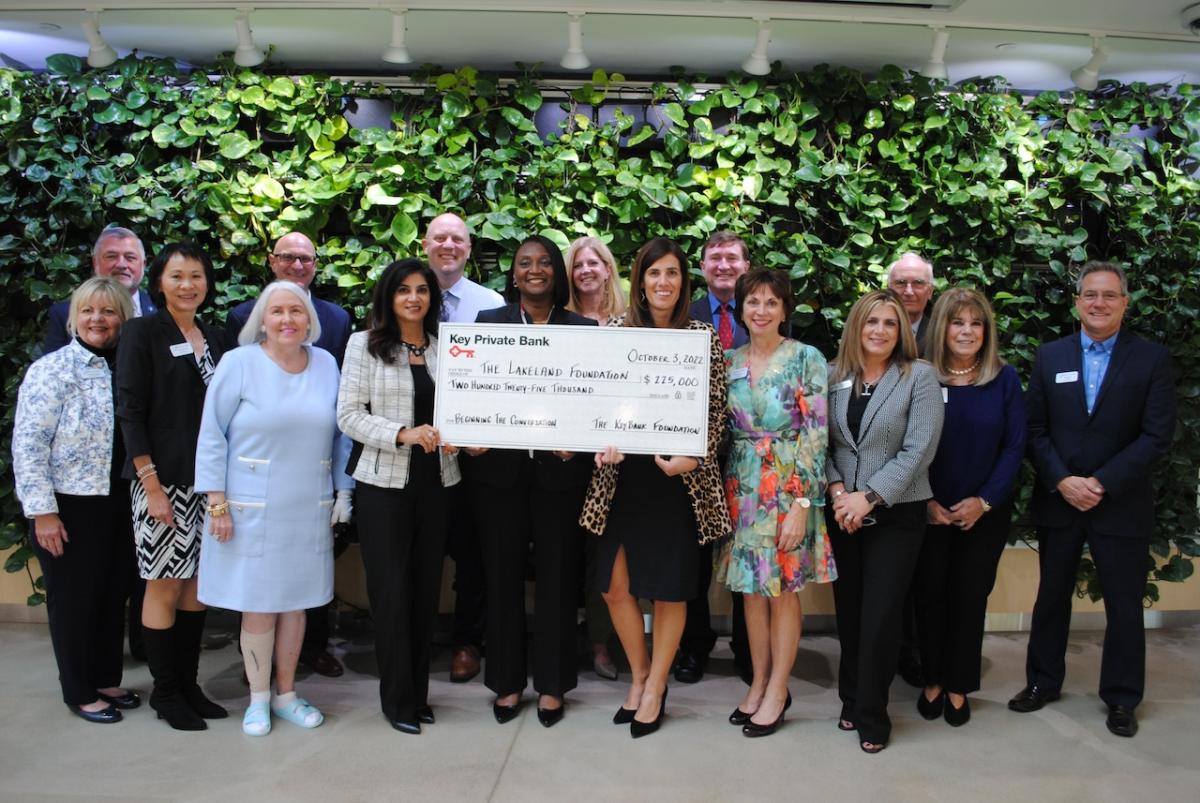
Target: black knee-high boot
x,y
189,632
166,699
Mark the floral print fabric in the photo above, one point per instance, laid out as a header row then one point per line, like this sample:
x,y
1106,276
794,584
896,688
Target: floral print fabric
x,y
779,426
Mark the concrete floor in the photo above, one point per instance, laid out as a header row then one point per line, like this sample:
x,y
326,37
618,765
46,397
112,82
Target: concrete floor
x,y
1062,753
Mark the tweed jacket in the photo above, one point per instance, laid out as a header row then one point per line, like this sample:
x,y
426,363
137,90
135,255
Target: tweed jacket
x,y
703,484
375,401
63,433
898,437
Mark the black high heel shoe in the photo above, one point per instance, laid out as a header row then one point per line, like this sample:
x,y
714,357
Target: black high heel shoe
x,y
425,715
624,715
930,709
105,716
639,729
740,717
551,716
956,717
506,713
127,699
753,729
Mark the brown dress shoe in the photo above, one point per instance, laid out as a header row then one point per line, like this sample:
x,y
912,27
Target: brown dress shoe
x,y
323,663
465,664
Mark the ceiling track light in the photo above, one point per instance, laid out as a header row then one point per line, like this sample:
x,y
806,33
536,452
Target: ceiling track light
x,y
935,68
756,63
1087,77
247,53
100,54
398,52
575,58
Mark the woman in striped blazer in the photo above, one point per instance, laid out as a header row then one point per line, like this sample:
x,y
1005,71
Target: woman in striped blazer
x,y
885,417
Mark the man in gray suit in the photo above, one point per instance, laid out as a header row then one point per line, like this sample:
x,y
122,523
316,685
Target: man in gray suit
x,y
911,278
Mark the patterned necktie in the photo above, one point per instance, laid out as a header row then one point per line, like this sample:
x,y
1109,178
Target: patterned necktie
x,y
725,327
444,313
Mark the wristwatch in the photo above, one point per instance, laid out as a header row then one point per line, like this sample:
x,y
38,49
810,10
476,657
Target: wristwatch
x,y
873,497
986,505
804,502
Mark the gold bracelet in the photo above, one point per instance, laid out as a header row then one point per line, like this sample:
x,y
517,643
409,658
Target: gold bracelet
x,y
146,470
150,473
217,511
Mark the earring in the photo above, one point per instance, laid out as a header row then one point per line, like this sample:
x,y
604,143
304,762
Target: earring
x,y
262,329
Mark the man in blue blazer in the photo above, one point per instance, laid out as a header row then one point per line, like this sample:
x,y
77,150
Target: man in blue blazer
x,y
1101,412
294,259
723,259
117,253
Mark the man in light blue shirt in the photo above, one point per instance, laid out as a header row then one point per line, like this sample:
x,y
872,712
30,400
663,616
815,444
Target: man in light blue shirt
x,y
1096,355
447,243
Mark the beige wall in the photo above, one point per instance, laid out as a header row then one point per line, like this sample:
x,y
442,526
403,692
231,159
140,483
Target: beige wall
x,y
1008,607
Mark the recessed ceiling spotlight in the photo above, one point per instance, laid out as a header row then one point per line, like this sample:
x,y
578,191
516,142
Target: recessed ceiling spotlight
x,y
575,58
100,54
756,63
247,53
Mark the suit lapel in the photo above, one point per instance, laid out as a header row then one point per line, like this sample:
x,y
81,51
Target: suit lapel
x,y
840,400
1075,364
174,337
1116,361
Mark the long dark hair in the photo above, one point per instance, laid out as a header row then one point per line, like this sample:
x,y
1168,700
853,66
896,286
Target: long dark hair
x,y
638,313
383,338
187,250
562,284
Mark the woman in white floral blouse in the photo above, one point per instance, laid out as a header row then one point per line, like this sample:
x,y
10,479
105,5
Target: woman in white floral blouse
x,y
67,460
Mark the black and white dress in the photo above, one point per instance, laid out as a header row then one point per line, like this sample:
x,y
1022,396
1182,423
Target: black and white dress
x,y
171,552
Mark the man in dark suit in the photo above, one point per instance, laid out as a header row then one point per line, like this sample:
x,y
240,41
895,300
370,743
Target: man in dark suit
x,y
294,259
1101,411
911,278
724,258
117,253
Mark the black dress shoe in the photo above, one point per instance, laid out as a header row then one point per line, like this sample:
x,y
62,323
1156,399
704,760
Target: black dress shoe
x,y
639,729
740,717
930,709
624,715
753,729
505,713
1031,698
111,714
689,668
551,716
956,717
425,715
127,700
1122,721
323,663
406,726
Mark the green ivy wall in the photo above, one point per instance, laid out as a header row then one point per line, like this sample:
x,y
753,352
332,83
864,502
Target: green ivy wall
x,y
828,175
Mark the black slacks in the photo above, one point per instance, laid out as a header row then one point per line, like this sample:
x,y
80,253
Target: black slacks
x,y
875,566
402,533
1121,564
508,520
463,547
955,575
86,589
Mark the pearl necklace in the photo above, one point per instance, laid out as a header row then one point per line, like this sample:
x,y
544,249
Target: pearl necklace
x,y
964,371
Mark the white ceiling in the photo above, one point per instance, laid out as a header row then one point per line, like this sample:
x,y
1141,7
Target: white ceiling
x,y
1034,43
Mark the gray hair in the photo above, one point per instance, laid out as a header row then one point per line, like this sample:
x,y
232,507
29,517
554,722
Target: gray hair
x,y
907,256
118,233
252,331
1096,266
105,287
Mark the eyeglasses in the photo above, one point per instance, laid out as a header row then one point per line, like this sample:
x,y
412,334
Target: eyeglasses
x,y
305,259
914,284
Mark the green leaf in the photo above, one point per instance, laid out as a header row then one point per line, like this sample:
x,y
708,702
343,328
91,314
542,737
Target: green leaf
x,y
905,103
935,121
1119,161
1079,120
528,96
162,134
283,87
110,114
752,185
404,231
268,187
674,113
234,145
64,64
874,119
376,195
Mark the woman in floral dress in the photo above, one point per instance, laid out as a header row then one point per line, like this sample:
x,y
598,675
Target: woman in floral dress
x,y
775,487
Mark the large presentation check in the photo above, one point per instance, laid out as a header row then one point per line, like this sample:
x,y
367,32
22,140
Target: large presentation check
x,y
577,388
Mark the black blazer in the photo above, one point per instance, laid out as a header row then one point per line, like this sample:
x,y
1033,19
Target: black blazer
x,y
499,467
1128,431
702,311
56,323
160,397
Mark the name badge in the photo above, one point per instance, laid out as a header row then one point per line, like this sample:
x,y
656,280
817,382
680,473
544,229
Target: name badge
x,y
842,385
1066,376
181,349
945,394
739,373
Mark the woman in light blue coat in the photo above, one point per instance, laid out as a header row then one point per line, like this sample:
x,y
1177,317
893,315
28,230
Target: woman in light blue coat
x,y
269,457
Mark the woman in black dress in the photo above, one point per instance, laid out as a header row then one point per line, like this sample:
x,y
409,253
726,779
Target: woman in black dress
x,y
653,514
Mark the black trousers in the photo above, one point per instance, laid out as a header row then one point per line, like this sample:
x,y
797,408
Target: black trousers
x,y
463,547
1121,565
402,533
699,638
509,520
955,575
86,589
875,566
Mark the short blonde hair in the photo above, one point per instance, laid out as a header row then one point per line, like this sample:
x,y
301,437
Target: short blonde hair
x,y
849,362
614,297
952,303
252,332
107,288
